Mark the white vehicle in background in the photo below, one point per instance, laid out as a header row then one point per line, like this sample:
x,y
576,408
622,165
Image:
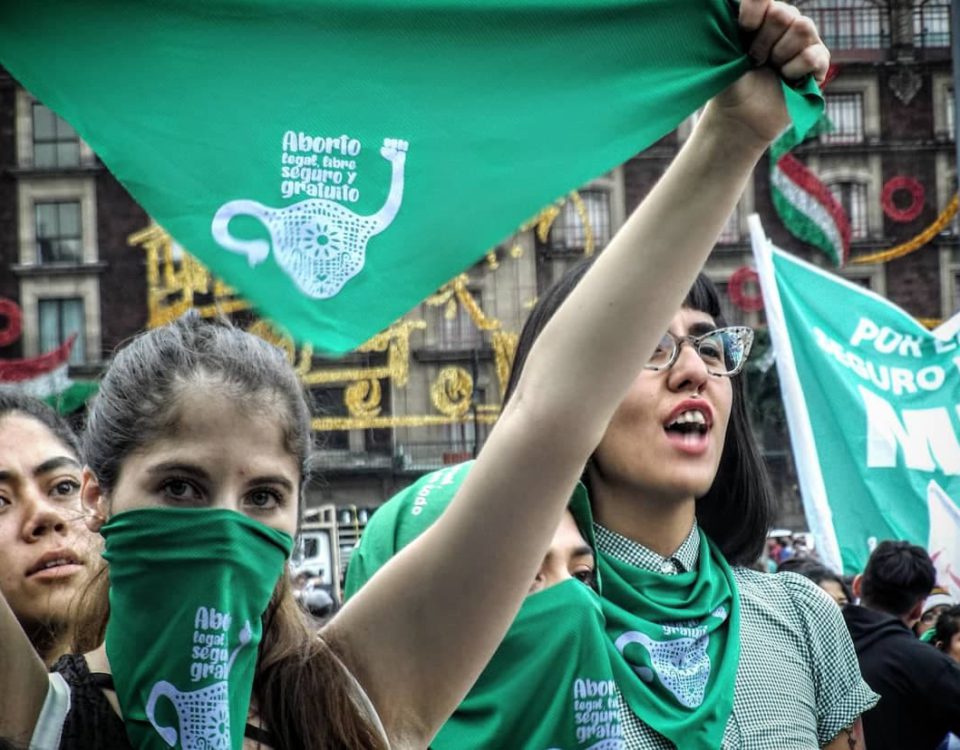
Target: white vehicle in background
x,y
315,563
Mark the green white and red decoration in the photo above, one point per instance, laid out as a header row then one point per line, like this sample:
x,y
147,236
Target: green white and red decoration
x,y
805,205
808,209
46,376
902,184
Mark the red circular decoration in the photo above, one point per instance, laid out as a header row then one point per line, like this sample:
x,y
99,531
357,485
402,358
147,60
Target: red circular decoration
x,y
917,197
10,332
746,302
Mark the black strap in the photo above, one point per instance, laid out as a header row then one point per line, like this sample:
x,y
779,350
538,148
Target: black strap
x,y
103,680
257,734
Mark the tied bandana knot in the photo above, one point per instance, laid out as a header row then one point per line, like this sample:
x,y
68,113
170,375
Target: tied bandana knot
x,y
675,645
188,589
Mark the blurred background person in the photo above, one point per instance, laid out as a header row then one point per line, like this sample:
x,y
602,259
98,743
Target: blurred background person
x,y
919,686
946,637
938,602
825,578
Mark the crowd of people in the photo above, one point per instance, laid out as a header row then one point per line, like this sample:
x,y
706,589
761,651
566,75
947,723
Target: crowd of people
x,y
146,604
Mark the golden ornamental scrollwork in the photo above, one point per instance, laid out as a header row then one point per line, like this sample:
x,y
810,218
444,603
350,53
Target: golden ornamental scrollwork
x,y
363,397
457,291
177,282
504,350
543,222
301,361
452,392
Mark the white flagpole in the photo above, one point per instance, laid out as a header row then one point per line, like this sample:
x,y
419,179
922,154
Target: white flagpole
x,y
813,490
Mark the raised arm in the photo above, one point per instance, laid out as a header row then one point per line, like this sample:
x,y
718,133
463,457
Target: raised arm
x,y
23,680
418,634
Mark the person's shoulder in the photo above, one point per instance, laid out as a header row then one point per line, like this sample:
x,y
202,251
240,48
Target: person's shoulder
x,y
785,583
788,592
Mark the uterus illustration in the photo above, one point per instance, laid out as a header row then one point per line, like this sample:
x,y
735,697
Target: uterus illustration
x,y
682,665
319,243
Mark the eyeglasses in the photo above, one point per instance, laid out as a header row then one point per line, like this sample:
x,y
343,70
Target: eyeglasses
x,y
724,351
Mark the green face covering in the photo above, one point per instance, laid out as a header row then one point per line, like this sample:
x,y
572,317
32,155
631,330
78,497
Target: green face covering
x,y
675,645
558,632
188,589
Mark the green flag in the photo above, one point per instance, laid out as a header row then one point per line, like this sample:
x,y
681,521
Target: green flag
x,y
872,403
338,161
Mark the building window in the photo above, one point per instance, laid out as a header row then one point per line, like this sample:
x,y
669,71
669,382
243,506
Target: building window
x,y
59,237
328,402
458,331
845,112
59,320
55,142
931,24
862,281
853,197
850,24
568,231
463,440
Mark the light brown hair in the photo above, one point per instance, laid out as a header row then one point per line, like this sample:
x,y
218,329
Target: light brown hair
x,y
304,697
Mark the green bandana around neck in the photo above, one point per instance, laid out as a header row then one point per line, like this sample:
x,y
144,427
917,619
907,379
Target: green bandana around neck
x,y
674,642
188,589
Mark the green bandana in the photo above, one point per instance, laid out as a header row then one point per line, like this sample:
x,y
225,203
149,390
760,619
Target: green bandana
x,y
188,589
675,645
314,154
558,632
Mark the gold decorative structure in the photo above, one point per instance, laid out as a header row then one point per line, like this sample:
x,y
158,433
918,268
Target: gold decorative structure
x,y
177,282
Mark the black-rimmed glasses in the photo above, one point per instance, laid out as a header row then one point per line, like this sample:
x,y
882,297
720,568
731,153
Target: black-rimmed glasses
x,y
724,351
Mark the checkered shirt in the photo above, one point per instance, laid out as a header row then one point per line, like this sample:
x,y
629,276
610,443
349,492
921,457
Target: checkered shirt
x,y
798,682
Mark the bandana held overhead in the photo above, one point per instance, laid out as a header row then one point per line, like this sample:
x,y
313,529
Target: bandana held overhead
x,y
285,170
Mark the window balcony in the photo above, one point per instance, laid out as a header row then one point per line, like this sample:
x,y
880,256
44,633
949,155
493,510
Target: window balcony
x,y
852,29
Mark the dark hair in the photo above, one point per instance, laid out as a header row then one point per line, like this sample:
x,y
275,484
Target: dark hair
x,y
19,403
736,511
897,576
948,625
820,573
302,692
